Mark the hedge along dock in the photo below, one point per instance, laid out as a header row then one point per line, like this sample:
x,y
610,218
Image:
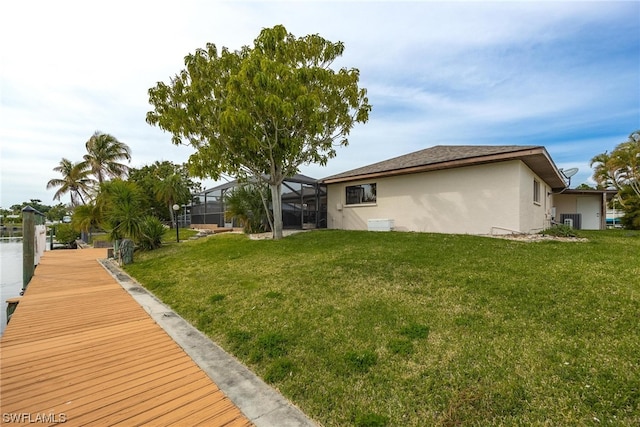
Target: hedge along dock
x,y
80,350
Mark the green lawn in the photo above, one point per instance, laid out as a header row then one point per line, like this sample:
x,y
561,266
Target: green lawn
x,y
409,329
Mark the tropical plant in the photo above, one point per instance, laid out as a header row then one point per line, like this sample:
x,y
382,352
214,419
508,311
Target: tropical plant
x,y
261,111
76,181
620,170
104,152
172,190
87,217
245,203
66,234
147,178
57,212
121,204
621,167
631,217
152,233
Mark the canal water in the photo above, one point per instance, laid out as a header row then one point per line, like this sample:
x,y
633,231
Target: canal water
x,y
10,274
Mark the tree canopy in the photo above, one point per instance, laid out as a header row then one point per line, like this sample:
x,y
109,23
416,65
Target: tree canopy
x,y
76,181
261,111
104,152
163,184
621,167
620,170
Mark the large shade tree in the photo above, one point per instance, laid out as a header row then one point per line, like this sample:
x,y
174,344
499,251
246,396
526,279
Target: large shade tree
x,y
76,180
263,111
104,153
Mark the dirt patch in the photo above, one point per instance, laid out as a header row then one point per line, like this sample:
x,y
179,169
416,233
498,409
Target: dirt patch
x,y
537,238
269,235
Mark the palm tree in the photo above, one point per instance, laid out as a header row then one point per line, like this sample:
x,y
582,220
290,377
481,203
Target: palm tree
x,y
103,153
603,170
121,205
170,190
621,167
75,180
245,203
87,217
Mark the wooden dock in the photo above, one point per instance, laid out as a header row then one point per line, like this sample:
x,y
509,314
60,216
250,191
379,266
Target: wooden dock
x,y
80,351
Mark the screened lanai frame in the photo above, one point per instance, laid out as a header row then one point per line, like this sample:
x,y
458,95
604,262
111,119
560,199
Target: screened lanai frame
x,y
304,204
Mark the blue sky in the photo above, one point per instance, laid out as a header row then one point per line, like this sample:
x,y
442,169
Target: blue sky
x,y
565,75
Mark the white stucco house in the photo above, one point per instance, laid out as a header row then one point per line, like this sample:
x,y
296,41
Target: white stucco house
x,y
459,189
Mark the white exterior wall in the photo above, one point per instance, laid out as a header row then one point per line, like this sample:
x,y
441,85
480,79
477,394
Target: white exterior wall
x,y
481,199
534,217
589,206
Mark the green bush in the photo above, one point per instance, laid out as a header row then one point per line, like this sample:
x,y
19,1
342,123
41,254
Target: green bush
x,y
66,235
631,218
152,233
560,230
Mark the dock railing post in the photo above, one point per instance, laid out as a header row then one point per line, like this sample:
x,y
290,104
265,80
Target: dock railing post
x,y
29,243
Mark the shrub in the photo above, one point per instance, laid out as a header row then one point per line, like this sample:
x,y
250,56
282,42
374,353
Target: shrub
x,y
631,218
560,230
66,235
152,231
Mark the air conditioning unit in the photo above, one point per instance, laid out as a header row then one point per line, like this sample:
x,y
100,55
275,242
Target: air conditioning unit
x,y
568,222
380,224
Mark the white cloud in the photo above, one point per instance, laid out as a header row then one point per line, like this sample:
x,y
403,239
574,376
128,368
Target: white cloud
x,y
562,74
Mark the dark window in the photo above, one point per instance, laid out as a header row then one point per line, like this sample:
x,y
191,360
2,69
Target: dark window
x,y
363,193
536,191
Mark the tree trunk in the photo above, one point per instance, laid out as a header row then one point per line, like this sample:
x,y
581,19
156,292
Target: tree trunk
x,y
276,202
171,215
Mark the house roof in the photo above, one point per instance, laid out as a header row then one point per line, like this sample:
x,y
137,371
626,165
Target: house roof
x,y
587,192
454,156
299,178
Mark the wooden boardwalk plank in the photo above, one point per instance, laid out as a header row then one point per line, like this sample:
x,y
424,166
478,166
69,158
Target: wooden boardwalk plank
x,y
79,345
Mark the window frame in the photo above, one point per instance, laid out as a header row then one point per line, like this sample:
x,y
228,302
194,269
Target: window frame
x,y
537,198
363,200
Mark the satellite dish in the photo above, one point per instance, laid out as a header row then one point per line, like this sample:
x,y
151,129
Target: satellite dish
x,y
569,172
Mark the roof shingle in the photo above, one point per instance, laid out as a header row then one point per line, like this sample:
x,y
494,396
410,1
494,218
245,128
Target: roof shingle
x,y
430,156
449,156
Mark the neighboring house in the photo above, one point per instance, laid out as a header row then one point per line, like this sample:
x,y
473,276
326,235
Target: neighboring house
x,y
449,189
